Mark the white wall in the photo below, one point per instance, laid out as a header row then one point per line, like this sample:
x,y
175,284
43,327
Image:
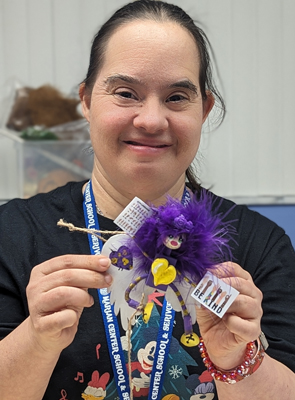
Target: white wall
x,y
252,154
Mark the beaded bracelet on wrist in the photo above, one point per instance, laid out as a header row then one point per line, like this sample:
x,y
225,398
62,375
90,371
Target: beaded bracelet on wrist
x,y
251,363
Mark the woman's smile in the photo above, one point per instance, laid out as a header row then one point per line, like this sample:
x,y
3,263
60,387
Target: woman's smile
x,y
147,148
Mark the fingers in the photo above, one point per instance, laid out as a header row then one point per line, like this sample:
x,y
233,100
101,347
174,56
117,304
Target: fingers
x,y
60,309
54,326
57,294
244,330
81,271
236,277
246,307
62,283
64,297
226,337
80,278
96,263
230,269
244,315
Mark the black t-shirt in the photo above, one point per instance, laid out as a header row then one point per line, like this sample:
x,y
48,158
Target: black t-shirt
x,y
29,235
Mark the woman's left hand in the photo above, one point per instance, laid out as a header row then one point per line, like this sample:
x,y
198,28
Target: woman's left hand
x,y
226,338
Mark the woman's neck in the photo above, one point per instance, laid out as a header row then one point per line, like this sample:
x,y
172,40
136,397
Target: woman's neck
x,y
111,202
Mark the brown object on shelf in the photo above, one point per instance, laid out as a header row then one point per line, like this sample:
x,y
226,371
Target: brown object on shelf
x,y
49,107
45,106
20,116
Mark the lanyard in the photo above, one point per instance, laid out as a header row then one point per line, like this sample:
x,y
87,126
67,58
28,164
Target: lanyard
x,y
162,351
110,319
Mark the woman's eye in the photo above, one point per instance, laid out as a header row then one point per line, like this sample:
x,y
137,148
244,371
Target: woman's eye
x,y
126,94
175,98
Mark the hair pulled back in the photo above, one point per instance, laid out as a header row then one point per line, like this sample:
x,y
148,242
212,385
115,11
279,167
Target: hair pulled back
x,y
158,11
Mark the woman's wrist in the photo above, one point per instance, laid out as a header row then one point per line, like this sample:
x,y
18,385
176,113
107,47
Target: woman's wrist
x,y
47,352
226,359
253,357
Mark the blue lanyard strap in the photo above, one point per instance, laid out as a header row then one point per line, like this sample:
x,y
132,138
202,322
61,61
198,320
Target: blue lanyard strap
x,y
186,197
111,323
109,317
162,351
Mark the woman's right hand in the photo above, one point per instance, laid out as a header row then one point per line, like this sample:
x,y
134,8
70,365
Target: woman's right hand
x,y
57,294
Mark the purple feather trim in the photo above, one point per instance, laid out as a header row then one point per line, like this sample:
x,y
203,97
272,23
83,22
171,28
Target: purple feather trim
x,y
207,237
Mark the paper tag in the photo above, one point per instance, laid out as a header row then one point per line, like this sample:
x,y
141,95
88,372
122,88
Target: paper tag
x,y
215,294
133,216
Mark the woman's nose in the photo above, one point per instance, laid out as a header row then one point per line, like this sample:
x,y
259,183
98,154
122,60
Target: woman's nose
x,y
151,117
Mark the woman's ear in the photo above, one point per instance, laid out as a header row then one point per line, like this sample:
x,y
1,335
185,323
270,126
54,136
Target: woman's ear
x,y
208,105
85,101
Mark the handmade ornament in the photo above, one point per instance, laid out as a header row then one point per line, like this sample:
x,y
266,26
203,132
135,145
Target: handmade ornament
x,y
170,252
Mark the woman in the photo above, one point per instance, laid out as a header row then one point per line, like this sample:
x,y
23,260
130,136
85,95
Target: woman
x,y
146,95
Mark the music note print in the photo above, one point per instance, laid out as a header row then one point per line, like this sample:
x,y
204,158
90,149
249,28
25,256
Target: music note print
x,y
97,350
64,395
79,377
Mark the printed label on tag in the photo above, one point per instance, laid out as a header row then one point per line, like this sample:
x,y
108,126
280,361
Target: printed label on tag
x,y
133,216
214,294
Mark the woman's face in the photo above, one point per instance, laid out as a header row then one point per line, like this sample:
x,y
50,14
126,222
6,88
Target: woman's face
x,y
146,110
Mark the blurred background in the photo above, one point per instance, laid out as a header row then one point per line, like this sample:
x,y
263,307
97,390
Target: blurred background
x,y
44,51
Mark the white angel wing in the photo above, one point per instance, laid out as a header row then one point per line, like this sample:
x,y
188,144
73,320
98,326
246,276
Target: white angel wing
x,y
122,278
172,299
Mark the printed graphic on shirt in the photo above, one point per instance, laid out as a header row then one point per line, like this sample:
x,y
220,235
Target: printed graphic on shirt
x,y
80,377
177,384
96,388
202,386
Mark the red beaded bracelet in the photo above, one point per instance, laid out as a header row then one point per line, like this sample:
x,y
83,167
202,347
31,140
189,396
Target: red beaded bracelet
x,y
250,364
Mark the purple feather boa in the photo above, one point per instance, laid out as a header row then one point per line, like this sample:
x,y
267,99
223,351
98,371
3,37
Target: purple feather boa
x,y
207,237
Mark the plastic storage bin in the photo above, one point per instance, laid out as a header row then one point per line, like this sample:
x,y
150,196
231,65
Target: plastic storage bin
x,y
39,166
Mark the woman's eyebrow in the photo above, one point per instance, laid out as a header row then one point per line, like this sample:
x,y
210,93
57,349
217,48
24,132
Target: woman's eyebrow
x,y
185,84
119,77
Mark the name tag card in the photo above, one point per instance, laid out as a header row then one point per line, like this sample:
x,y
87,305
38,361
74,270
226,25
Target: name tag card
x,y
215,294
133,216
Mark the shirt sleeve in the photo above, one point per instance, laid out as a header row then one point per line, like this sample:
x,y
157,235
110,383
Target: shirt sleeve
x,y
12,308
267,253
16,250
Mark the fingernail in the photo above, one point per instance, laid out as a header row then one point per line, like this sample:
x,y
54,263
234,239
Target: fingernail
x,y
104,262
108,279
